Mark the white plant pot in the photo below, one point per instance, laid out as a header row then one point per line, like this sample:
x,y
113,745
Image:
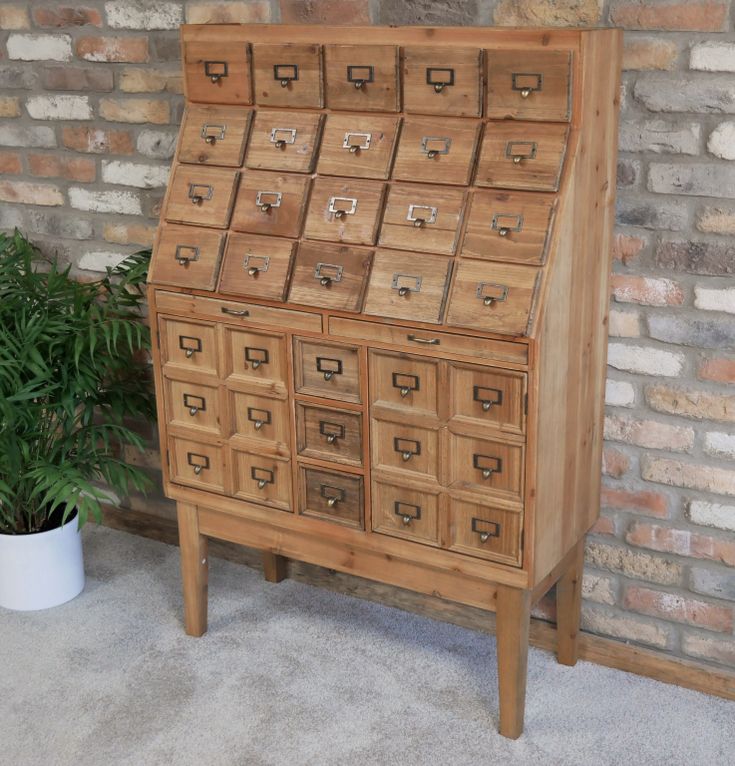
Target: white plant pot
x,y
41,570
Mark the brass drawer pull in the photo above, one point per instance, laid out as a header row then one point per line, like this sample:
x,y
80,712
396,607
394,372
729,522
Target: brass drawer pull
x,y
195,404
282,136
439,77
331,431
285,73
405,383
407,511
406,448
427,341
249,261
355,146
428,216
491,292
256,356
520,150
360,74
262,476
493,529
213,133
190,345
215,70
487,464
433,146
330,367
488,397
185,260
235,312
199,193
331,494
326,279
266,200
198,462
340,210
406,284
259,418
505,223
526,83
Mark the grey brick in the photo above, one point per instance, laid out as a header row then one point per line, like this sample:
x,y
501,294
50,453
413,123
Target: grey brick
x,y
628,172
660,137
157,144
694,93
10,218
77,78
706,258
432,12
165,46
18,77
700,180
713,583
36,136
669,215
67,225
702,333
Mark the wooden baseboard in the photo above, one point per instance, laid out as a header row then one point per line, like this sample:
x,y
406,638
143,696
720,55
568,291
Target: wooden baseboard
x,y
602,651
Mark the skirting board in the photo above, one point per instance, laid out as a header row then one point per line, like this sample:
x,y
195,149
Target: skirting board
x,y
602,651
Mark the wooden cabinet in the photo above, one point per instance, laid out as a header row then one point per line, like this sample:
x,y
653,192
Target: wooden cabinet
x,y
379,293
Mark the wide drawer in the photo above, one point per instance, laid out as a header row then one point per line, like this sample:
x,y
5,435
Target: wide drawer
x,y
218,72
404,511
324,369
260,418
255,360
362,77
325,433
411,450
288,74
201,196
262,479
257,266
285,141
485,531
197,464
186,257
193,406
214,135
331,496
186,345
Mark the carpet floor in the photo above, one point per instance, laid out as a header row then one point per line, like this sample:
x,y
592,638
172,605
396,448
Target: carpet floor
x,y
293,675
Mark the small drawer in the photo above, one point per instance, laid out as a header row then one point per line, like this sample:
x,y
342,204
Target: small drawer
x,y
403,511
409,449
359,147
330,276
522,155
193,406
485,531
408,286
189,346
257,266
529,85
494,297
344,210
423,218
326,369
284,141
362,77
495,399
271,203
487,466
288,75
201,196
328,434
331,496
260,417
440,80
509,226
218,72
186,257
262,479
256,360
403,382
431,150
214,135
197,464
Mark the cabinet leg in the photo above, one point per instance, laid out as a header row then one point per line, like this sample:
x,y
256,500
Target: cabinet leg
x,y
274,567
568,608
194,569
513,620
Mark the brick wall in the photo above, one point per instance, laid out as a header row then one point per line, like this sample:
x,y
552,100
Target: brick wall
x,y
89,107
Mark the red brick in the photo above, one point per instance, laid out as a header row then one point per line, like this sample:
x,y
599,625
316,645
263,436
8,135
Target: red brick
x,y
133,50
642,501
605,525
646,291
626,248
719,369
54,166
325,11
614,462
10,164
670,606
674,15
681,542
98,141
77,78
65,16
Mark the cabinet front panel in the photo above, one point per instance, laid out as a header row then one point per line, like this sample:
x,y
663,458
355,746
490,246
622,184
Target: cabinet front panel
x,y
257,266
197,464
283,140
201,196
402,511
262,418
190,346
362,77
412,450
214,135
288,75
193,406
185,256
218,74
262,478
326,369
331,496
270,203
255,359
404,383
484,531
324,433
484,465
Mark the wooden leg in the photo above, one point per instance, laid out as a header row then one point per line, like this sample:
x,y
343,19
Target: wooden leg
x,y
568,607
194,569
274,566
513,620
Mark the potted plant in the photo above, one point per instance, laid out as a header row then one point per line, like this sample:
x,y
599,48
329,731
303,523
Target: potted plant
x,y
73,370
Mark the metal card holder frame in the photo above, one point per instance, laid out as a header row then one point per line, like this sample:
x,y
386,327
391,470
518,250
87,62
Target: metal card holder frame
x,y
277,136
430,151
262,476
259,417
426,219
341,211
332,431
347,142
406,448
442,80
488,298
322,267
256,361
215,70
268,199
487,469
201,465
397,283
191,348
195,403
332,494
357,79
487,403
414,385
285,73
213,133
249,261
512,153
328,366
407,511
199,193
493,531
185,260
526,82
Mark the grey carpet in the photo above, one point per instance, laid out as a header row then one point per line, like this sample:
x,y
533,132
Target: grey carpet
x,y
293,675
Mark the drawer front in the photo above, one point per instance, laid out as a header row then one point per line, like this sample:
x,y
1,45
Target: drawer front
x,y
270,203
288,75
326,369
345,210
328,434
409,449
529,85
495,297
431,149
331,496
260,417
189,346
407,286
405,512
330,276
492,399
358,146
257,266
262,479
214,135
485,531
423,218
362,77
405,383
438,80
522,155
218,72
197,464
255,359
193,406
487,466
284,141
186,257
201,196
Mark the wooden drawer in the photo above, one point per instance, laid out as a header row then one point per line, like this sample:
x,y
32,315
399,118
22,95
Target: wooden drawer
x,y
359,146
257,266
495,297
487,398
331,496
486,465
330,276
256,360
192,406
343,210
326,369
218,72
202,196
329,434
408,286
440,80
214,135
271,203
190,346
262,418
485,531
522,155
423,218
430,150
288,74
529,85
412,450
284,141
186,257
362,77
403,511
406,383
197,464
264,479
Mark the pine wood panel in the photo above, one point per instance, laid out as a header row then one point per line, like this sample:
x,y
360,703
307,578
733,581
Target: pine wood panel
x,y
288,74
411,450
405,511
402,383
326,369
257,266
185,256
189,346
255,360
193,406
202,196
284,140
362,77
264,479
483,465
214,135
326,433
260,418
331,496
218,74
197,464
